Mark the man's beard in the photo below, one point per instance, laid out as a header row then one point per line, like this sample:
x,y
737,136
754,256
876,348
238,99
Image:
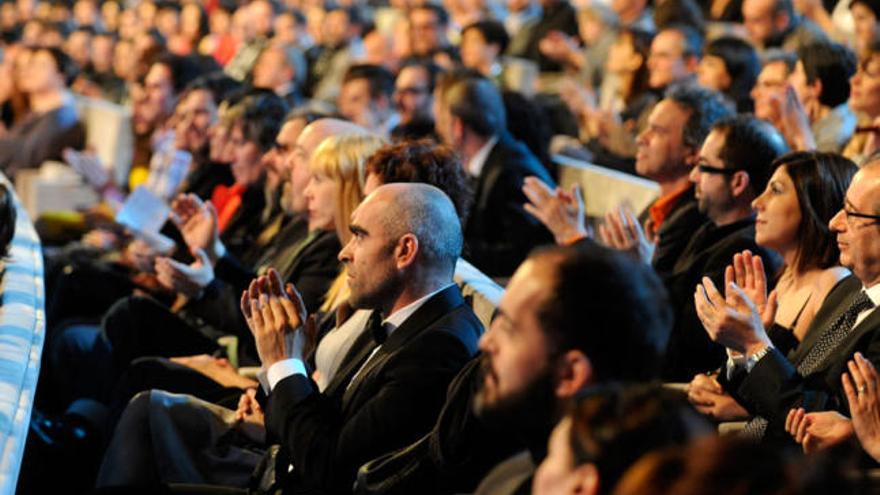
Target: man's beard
x,y
530,413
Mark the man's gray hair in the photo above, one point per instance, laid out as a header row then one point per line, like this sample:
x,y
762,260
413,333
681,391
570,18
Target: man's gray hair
x,y
428,213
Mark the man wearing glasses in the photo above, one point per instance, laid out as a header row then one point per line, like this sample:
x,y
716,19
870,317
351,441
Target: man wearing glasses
x,y
733,167
413,99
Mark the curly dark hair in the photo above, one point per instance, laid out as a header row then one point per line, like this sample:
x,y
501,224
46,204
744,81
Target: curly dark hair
x,y
428,162
261,118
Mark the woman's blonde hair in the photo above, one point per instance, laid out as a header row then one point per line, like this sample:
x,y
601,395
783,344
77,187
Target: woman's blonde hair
x,y
342,159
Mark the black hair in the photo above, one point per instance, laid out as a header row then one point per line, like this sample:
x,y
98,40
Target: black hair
x,y
705,107
750,144
742,64
493,32
379,79
832,64
629,310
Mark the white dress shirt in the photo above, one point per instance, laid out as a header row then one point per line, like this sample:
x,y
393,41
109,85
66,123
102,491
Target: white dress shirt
x,y
295,366
478,161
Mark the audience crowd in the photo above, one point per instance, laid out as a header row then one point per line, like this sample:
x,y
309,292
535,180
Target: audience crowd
x,y
340,174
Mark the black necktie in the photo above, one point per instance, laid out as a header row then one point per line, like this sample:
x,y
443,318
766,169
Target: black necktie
x,y
377,329
830,340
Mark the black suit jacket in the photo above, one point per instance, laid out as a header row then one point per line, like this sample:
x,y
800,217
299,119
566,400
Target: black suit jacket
x,y
676,232
774,386
500,233
393,401
708,253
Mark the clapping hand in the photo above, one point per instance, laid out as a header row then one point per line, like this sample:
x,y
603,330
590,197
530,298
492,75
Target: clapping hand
x,y
861,388
562,212
250,417
731,320
623,232
271,314
197,221
747,271
816,431
188,280
794,123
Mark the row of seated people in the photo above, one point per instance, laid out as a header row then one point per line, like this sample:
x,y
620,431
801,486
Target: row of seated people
x,y
401,245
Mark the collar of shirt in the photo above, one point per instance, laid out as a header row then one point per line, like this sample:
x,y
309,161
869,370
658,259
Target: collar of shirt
x,y
401,315
476,163
664,205
873,293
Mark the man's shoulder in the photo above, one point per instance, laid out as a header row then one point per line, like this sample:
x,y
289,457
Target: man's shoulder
x,y
515,158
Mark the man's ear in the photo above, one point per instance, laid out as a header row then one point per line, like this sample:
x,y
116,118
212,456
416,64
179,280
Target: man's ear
x,y
574,372
691,157
406,250
739,183
587,479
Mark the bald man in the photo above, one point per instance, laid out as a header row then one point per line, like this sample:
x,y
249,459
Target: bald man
x,y
388,389
771,383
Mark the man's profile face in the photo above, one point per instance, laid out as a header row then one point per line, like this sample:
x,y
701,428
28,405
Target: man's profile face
x,y
661,151
443,119
515,349
666,61
372,275
859,238
292,193
712,189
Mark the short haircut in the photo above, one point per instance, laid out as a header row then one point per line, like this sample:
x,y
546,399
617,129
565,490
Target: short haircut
x,y
612,426
750,144
492,31
183,69
705,107
832,64
379,79
439,12
786,7
679,12
428,213
741,62
261,118
63,63
428,162
692,39
820,181
478,103
218,83
431,69
630,316
774,55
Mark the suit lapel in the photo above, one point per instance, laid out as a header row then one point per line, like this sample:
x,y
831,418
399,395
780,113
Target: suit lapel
x,y
489,176
431,311
352,362
838,300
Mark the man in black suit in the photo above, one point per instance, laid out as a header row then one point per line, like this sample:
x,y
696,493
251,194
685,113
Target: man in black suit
x,y
770,384
470,117
400,261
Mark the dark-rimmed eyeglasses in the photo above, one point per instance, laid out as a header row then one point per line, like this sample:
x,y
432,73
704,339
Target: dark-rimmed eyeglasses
x,y
855,214
709,169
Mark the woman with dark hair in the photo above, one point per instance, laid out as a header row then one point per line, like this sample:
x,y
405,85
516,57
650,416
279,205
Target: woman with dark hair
x,y
803,194
730,66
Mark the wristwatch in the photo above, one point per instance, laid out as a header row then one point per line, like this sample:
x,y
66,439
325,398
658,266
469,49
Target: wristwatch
x,y
752,360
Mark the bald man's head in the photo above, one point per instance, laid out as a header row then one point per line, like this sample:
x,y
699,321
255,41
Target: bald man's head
x,y
426,212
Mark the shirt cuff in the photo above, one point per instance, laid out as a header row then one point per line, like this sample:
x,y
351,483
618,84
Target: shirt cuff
x,y
734,362
282,369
